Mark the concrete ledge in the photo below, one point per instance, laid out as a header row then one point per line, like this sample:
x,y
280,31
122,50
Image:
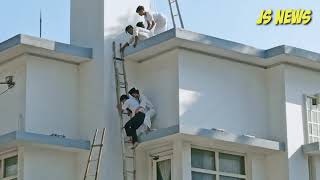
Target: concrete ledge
x,y
234,138
159,134
24,44
190,134
311,149
17,138
183,39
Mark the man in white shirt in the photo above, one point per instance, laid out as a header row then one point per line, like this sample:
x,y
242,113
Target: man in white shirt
x,y
145,104
137,115
156,21
137,34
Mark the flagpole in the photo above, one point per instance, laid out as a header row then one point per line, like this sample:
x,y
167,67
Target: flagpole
x,y
40,24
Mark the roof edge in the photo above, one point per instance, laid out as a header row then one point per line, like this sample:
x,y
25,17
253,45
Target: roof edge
x,y
181,34
68,49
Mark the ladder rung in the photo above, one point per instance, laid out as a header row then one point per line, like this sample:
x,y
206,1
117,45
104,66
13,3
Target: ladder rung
x,y
129,157
90,175
174,1
119,59
123,87
97,145
93,160
131,172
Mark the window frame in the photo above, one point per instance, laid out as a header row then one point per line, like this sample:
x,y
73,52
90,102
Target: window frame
x,y
307,121
154,165
217,172
3,157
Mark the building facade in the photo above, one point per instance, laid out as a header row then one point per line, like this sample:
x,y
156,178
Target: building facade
x,y
225,111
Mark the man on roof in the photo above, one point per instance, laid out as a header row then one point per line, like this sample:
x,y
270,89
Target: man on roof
x,y
137,34
156,21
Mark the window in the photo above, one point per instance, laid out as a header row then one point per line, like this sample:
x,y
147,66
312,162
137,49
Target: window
x,y
9,166
162,168
313,119
210,165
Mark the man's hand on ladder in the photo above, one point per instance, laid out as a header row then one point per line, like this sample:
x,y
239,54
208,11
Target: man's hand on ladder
x,y
119,106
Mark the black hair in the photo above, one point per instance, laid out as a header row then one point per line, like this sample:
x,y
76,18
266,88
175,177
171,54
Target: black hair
x,y
128,27
133,91
139,8
140,24
123,97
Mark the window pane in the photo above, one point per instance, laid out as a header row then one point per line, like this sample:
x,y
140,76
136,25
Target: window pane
x,y
229,178
10,166
202,176
231,163
202,159
164,170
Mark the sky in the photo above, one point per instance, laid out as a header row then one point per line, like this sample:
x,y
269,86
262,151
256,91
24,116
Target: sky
x,y
233,20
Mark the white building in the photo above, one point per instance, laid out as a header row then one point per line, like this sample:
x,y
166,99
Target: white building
x,y
226,111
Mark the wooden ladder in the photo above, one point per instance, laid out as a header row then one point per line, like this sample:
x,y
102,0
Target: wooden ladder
x,y
128,154
175,14
93,161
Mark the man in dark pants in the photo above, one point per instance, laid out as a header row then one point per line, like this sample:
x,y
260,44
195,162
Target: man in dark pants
x,y
137,117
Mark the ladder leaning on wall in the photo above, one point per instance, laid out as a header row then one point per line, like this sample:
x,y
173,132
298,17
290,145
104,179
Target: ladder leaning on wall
x,y
95,156
175,13
128,154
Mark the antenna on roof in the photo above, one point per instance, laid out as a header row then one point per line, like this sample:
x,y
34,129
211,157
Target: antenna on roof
x,y
40,24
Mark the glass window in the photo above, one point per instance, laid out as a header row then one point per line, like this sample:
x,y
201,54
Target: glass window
x,y
225,167
231,163
10,167
313,119
203,176
203,159
164,170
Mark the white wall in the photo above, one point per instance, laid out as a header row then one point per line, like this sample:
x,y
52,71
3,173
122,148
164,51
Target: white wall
x,y
298,82
277,166
52,97
315,167
216,93
276,101
95,24
12,103
157,78
257,167
40,164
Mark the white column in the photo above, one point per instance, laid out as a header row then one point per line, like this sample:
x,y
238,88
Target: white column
x,y
314,166
181,160
95,24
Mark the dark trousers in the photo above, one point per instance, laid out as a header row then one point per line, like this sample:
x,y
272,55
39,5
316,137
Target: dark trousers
x,y
133,124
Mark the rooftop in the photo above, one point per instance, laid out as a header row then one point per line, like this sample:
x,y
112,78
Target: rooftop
x,y
24,44
183,39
